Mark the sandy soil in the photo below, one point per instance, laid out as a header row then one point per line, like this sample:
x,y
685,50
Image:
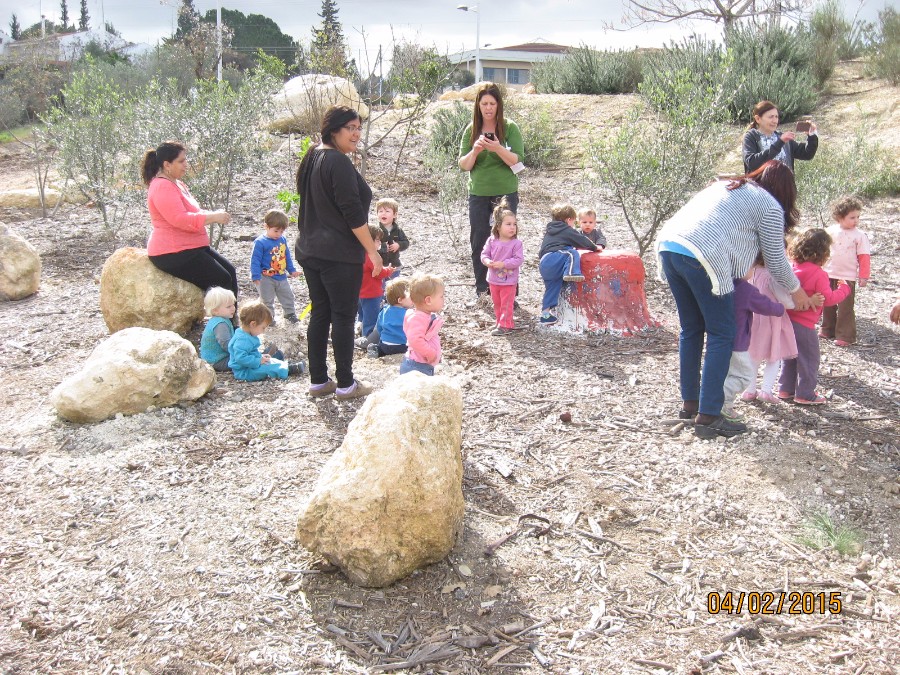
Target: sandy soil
x,y
163,542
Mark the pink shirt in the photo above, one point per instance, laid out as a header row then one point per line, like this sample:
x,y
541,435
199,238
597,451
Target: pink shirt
x,y
847,250
422,336
814,280
178,221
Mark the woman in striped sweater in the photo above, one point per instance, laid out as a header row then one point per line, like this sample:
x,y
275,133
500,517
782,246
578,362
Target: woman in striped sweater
x,y
709,242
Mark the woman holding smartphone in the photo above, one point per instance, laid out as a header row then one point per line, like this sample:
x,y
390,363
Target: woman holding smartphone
x,y
763,142
492,151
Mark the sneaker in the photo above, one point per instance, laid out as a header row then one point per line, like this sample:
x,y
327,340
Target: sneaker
x,y
357,390
573,277
291,318
548,319
361,343
686,414
372,352
785,396
297,367
324,389
768,397
721,426
749,396
841,343
500,330
815,400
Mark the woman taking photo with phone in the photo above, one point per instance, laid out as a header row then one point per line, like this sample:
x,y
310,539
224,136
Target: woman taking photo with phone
x,y
763,142
492,151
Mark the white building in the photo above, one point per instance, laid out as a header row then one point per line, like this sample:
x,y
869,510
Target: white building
x,y
4,41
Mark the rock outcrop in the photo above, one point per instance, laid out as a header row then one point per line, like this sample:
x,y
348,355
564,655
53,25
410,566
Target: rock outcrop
x,y
20,266
390,499
302,101
135,293
131,371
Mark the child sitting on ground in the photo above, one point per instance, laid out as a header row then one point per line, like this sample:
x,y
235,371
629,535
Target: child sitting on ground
x,y
809,250
219,304
393,239
422,324
849,260
741,370
587,223
271,264
246,361
502,255
388,337
371,292
560,262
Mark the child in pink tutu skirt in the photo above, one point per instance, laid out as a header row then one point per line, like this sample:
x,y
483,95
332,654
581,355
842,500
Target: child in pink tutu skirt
x,y
771,338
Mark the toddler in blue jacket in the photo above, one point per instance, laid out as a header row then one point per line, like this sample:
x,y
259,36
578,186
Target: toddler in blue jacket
x,y
388,336
246,361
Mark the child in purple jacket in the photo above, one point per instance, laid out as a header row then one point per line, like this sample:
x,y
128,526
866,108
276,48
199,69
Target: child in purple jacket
x,y
502,255
741,371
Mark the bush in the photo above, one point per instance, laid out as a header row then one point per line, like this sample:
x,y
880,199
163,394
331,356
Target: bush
x,y
886,60
588,71
698,59
861,168
441,162
539,133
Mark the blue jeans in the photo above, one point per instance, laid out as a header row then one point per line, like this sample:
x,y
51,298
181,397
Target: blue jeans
x,y
368,314
408,365
553,267
700,312
481,212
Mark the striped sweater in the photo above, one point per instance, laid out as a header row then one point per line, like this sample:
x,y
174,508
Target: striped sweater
x,y
725,230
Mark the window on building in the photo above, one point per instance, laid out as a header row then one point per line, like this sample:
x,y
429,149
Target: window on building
x,y
490,74
517,75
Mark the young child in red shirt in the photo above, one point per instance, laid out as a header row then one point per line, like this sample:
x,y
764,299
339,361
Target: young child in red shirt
x,y
371,293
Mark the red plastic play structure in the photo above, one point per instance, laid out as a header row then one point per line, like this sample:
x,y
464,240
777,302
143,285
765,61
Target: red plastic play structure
x,y
611,299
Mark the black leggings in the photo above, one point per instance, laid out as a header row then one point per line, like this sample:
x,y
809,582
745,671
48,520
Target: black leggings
x,y
203,267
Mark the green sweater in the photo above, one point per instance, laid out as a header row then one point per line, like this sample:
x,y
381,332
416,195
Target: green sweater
x,y
490,176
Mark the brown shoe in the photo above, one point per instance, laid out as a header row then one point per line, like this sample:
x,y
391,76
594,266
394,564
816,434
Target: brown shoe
x,y
358,390
321,390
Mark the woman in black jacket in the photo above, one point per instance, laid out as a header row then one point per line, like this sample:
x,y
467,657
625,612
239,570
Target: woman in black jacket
x,y
763,142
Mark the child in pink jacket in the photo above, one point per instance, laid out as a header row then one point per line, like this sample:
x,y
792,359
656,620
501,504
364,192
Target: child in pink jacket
x,y
422,325
809,250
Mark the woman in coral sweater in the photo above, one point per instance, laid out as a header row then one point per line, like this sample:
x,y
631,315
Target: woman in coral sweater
x,y
179,242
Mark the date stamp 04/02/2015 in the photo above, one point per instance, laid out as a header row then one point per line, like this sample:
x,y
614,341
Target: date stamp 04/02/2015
x,y
773,602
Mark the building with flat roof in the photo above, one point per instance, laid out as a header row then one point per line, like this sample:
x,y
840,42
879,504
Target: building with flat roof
x,y
509,65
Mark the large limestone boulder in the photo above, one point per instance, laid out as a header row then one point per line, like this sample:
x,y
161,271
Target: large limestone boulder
x,y
131,371
302,101
135,293
465,94
390,499
20,266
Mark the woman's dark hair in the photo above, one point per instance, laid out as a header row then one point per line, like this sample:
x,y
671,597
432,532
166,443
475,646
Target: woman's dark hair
x,y
335,117
778,180
760,108
812,245
168,151
488,89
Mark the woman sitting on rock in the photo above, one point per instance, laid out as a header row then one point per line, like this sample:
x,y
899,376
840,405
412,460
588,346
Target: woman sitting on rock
x,y
179,242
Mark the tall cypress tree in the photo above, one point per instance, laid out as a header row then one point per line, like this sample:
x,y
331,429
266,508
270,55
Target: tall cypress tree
x,y
188,18
64,14
15,30
328,51
85,18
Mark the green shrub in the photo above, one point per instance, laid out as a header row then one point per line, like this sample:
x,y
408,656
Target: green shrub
x,y
588,71
441,163
539,132
446,131
886,60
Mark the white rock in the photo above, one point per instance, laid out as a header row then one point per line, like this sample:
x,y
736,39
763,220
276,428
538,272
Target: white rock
x,y
390,499
20,266
302,101
135,293
134,370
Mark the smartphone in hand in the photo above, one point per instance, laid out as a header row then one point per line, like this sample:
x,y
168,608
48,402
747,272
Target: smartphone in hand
x,y
803,126
490,136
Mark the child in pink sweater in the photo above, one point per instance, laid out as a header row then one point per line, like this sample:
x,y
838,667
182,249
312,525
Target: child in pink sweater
x,y
809,250
502,255
422,325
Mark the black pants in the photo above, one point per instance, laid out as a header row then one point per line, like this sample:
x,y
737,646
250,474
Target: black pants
x,y
481,210
334,294
203,267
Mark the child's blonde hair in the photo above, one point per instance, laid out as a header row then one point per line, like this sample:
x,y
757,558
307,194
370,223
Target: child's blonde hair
x,y
390,203
586,212
812,245
254,311
216,297
562,211
423,285
375,232
500,213
396,290
276,218
845,205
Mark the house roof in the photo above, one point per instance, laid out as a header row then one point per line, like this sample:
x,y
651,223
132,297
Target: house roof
x,y
538,46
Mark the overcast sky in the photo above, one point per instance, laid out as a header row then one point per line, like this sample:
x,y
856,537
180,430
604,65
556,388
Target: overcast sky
x,y
427,22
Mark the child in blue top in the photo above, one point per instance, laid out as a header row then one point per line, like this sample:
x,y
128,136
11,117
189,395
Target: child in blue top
x,y
246,361
388,336
271,264
559,260
219,304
